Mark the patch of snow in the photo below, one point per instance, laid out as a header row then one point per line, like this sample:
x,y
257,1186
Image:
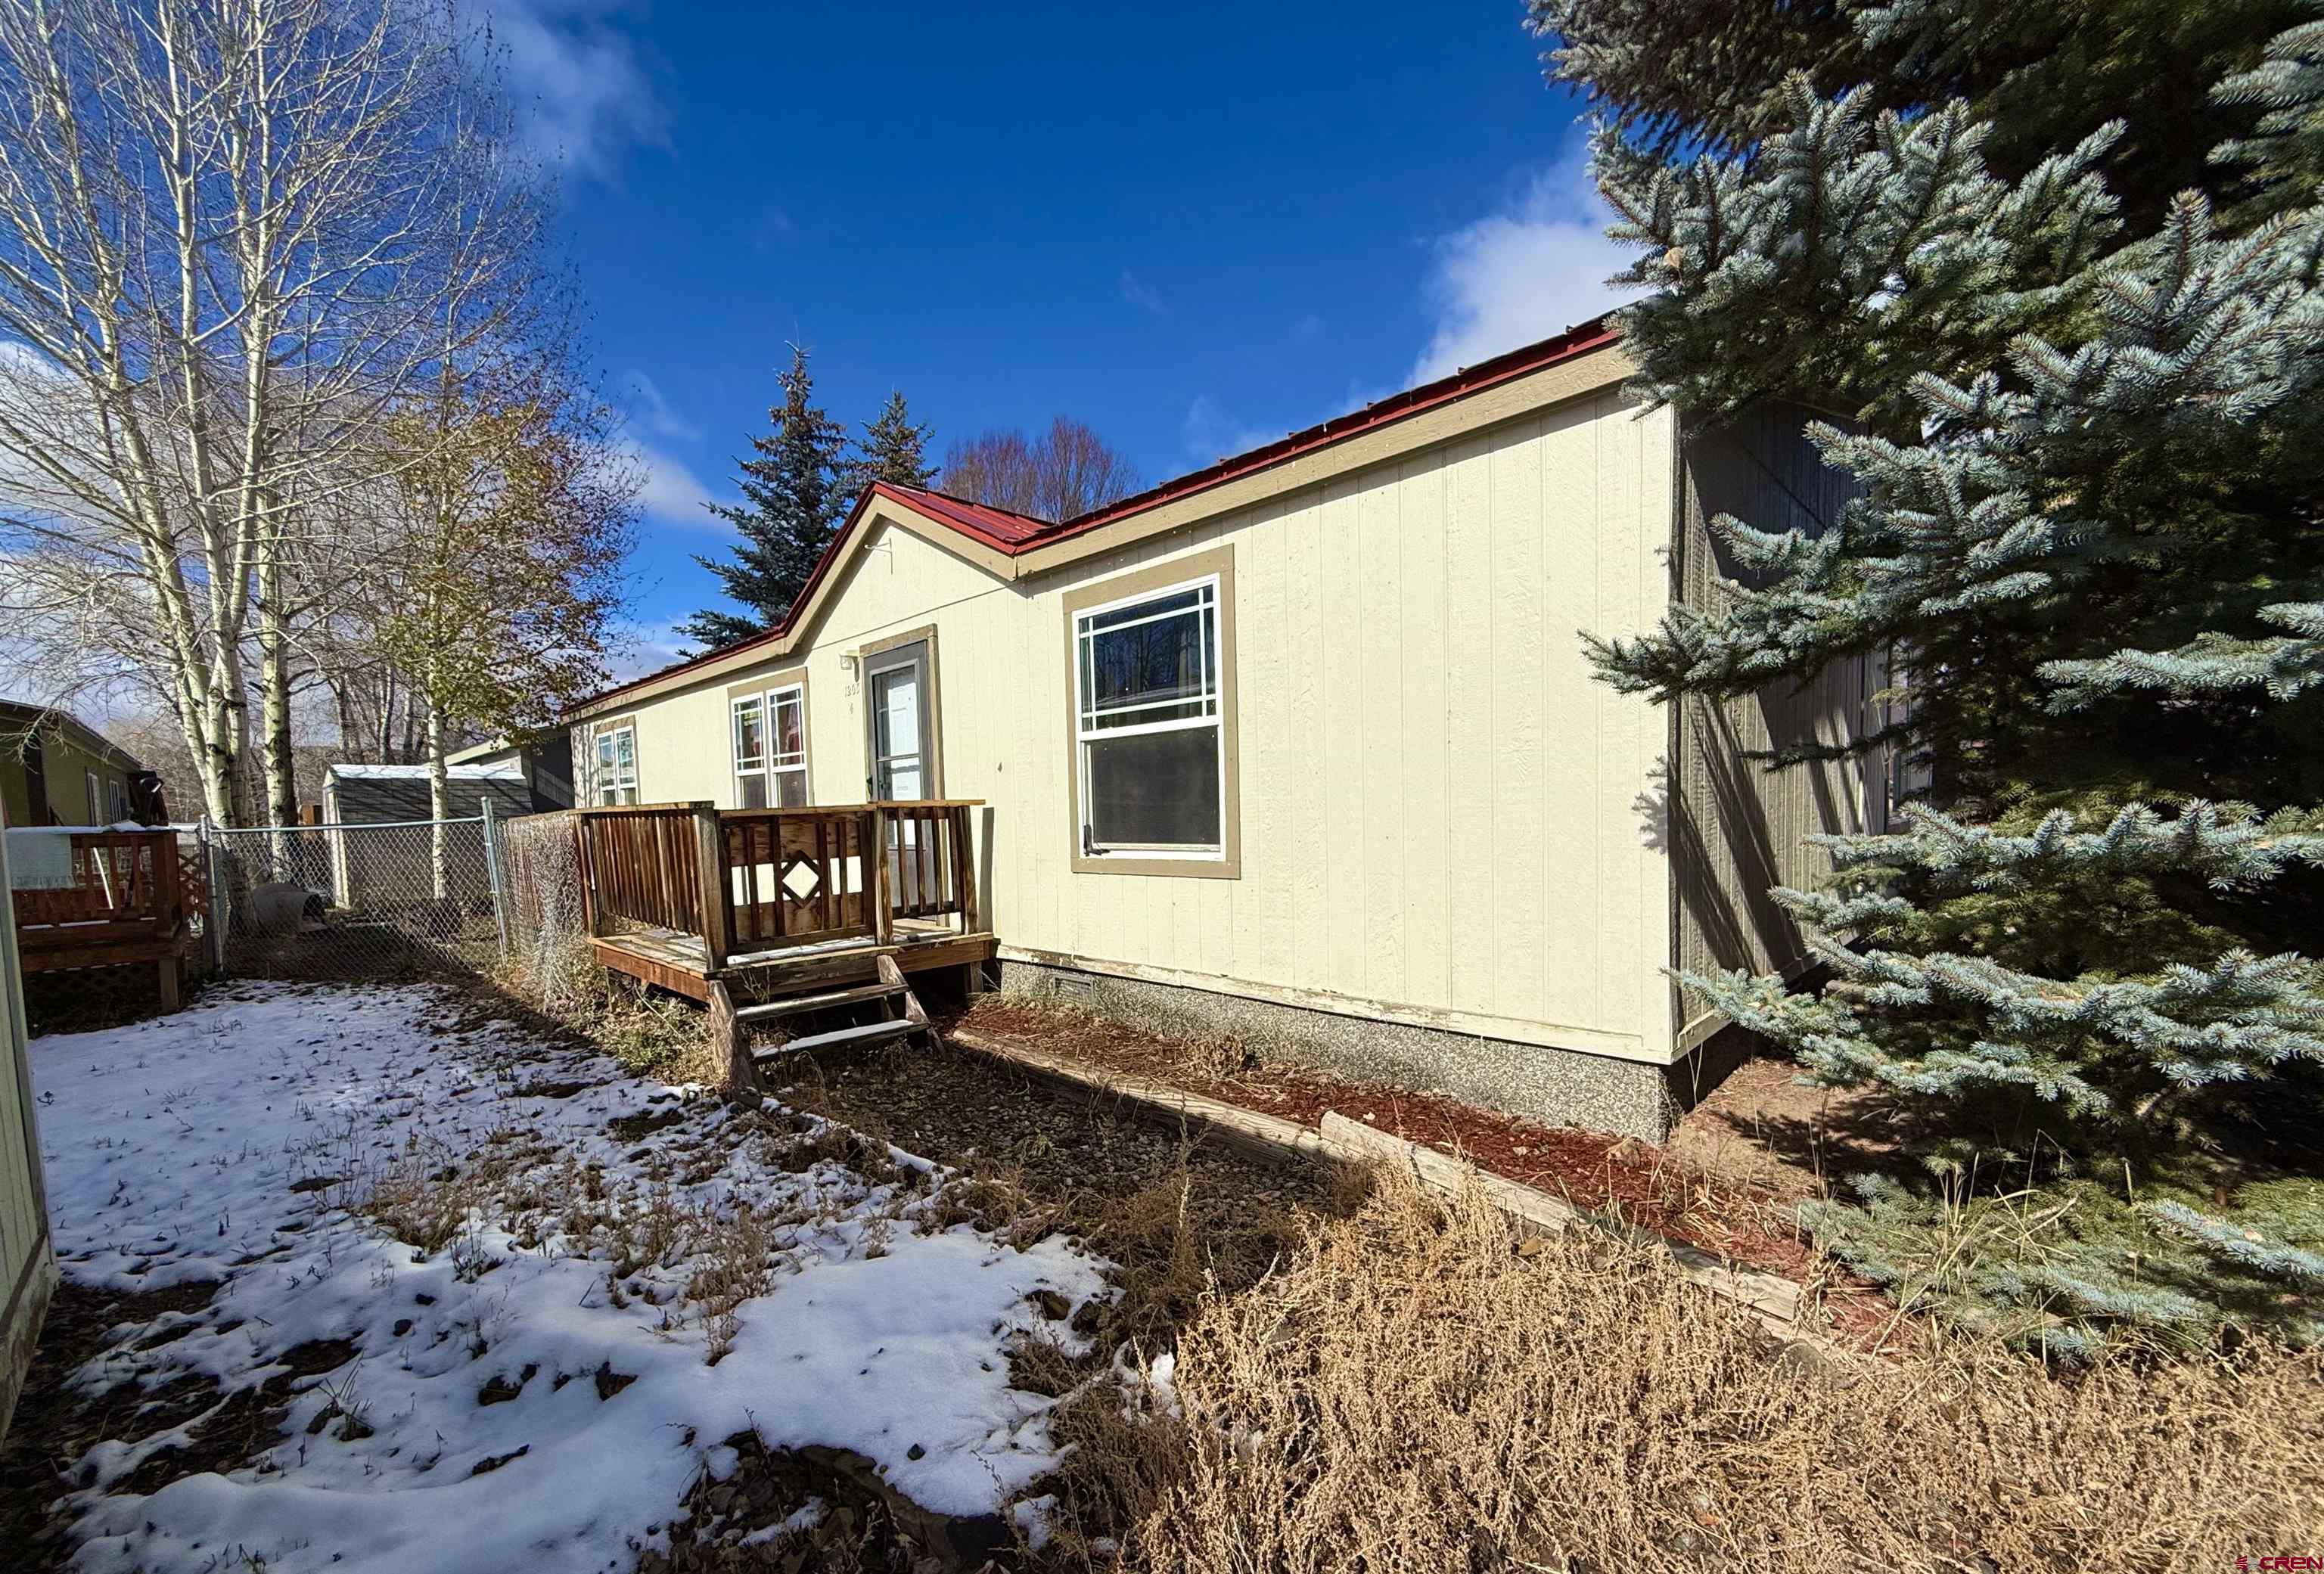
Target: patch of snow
x,y
502,770
806,1517
172,1147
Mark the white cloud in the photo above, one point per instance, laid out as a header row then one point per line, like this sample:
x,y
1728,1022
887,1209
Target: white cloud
x,y
1532,270
577,77
672,494
1214,434
1142,295
643,647
650,410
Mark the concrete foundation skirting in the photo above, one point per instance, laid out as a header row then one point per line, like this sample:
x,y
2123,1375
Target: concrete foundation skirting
x,y
1561,1087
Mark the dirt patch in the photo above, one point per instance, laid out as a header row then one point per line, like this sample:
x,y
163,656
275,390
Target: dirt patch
x,y
643,1124
1591,1169
815,1508
552,1090
1178,1212
54,1426
1740,1208
1762,1128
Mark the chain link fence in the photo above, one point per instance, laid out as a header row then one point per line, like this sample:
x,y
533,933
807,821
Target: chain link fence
x,y
540,891
354,902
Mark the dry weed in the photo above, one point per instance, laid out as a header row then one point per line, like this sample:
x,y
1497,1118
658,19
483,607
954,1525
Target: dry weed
x,y
736,1267
1417,1389
648,1033
1221,1056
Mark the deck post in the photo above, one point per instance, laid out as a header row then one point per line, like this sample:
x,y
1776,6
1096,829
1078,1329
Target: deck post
x,y
964,867
884,918
710,865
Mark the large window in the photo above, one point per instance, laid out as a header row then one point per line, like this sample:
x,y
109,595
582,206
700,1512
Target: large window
x,y
1150,726
770,748
617,765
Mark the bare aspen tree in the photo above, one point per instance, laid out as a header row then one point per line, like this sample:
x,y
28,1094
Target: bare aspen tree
x,y
231,239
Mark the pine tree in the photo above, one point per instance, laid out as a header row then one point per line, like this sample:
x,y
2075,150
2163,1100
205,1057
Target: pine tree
x,y
2054,271
894,449
793,501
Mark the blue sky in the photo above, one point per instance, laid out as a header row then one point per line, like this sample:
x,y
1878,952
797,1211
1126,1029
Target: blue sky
x,y
1194,229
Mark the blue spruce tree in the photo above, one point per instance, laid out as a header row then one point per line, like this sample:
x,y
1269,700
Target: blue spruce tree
x,y
2052,274
793,498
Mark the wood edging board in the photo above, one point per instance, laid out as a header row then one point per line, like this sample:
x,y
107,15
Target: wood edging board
x,y
1266,1137
1771,1297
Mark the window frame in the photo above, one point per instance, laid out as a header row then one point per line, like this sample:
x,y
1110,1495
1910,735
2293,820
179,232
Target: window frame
x,y
1213,570
768,700
605,757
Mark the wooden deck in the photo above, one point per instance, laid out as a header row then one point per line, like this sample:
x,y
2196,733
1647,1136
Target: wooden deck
x,y
710,903
674,962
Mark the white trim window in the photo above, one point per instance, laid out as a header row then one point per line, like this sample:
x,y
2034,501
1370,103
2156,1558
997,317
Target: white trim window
x,y
617,765
1148,724
769,735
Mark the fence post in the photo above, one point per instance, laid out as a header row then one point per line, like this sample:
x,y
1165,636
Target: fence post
x,y
214,921
493,872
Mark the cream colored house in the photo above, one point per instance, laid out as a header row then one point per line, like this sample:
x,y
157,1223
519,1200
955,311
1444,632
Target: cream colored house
x,y
1304,743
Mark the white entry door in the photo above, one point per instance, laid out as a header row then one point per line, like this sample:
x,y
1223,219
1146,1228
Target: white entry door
x,y
900,725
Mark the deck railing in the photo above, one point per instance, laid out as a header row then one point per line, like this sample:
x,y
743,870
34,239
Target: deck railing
x,y
641,864
126,902
795,877
747,880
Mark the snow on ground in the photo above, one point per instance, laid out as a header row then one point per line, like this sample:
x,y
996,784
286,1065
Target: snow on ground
x,y
230,1142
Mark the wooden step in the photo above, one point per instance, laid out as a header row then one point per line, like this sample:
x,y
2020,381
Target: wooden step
x,y
792,1005
851,1037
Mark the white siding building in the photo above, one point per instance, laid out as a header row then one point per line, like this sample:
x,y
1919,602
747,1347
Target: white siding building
x,y
1306,743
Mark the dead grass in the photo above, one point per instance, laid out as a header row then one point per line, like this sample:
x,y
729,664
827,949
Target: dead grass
x,y
651,1034
442,1198
1418,1390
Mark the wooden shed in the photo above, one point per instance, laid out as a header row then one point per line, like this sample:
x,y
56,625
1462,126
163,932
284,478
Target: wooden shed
x,y
395,794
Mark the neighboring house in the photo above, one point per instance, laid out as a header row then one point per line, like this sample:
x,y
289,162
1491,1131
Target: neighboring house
x,y
545,762
1305,744
28,1262
54,770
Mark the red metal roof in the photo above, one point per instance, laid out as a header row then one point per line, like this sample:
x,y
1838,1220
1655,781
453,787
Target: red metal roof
x,y
995,527
1013,534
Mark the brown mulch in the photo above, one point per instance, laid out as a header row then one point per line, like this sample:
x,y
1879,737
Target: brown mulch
x,y
1744,1215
